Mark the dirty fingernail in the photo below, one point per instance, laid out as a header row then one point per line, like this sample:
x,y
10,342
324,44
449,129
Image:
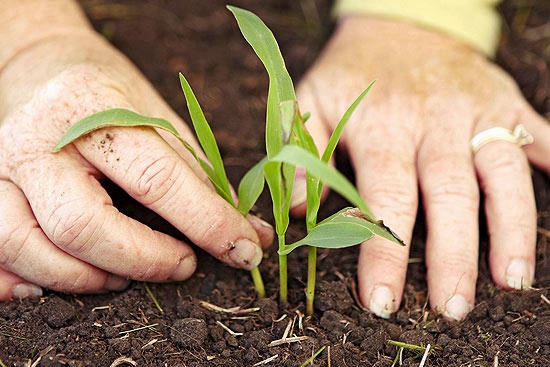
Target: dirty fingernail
x,y
457,308
299,190
382,302
24,290
246,254
116,283
186,268
518,274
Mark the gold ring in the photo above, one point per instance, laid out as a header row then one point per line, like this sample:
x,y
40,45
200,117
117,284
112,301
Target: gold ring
x,y
519,136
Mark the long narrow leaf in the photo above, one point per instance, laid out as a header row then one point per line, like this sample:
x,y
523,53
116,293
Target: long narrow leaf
x,y
260,37
206,139
300,157
335,136
251,187
113,117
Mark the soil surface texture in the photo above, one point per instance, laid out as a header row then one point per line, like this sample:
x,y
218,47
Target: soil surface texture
x,y
215,319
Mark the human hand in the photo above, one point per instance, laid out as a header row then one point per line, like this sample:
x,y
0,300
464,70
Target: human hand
x,y
431,97
59,228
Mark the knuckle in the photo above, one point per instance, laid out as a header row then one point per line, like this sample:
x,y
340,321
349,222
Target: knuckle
x,y
77,282
149,265
154,270
397,200
507,162
456,186
456,192
155,180
72,230
205,232
13,243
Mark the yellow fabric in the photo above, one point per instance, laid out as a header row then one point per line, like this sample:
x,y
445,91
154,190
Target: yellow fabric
x,y
474,22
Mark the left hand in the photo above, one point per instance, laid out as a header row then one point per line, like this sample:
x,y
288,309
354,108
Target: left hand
x,y
413,130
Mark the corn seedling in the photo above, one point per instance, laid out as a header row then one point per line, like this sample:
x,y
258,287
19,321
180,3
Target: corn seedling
x,y
288,145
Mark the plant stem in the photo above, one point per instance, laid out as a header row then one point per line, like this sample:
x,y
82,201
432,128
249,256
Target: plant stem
x,y
258,282
153,298
311,278
283,282
310,359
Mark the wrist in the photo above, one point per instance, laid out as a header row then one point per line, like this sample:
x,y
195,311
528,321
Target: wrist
x,y
24,23
35,66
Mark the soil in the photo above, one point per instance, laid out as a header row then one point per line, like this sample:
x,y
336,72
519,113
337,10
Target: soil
x,y
124,329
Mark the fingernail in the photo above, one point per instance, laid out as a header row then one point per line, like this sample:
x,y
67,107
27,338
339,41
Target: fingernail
x,y
116,283
185,269
24,290
518,274
299,190
246,254
457,308
382,302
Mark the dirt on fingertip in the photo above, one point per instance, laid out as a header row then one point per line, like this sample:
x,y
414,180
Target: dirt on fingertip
x,y
214,318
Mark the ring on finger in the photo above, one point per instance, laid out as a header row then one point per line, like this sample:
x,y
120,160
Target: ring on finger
x,y
519,136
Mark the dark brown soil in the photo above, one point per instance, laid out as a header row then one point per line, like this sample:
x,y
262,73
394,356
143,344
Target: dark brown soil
x,y
122,329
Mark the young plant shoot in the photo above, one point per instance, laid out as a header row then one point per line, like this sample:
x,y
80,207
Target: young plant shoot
x,y
279,120
288,145
285,131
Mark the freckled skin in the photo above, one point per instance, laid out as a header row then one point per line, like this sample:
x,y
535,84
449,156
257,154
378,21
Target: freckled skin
x,y
64,232
410,137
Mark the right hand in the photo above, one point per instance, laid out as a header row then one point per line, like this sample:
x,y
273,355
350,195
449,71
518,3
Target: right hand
x,y
59,229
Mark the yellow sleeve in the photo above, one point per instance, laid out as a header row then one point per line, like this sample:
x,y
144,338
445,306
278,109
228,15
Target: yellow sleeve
x,y
474,22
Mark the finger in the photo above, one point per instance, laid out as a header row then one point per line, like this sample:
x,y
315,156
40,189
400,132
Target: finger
x,y
158,107
505,178
76,214
12,286
539,151
263,229
386,178
451,198
141,163
27,252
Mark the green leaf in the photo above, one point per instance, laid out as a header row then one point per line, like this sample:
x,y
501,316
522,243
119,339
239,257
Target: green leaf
x,y
328,175
274,176
335,136
300,157
316,187
288,111
377,226
258,35
207,141
251,187
342,231
108,118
